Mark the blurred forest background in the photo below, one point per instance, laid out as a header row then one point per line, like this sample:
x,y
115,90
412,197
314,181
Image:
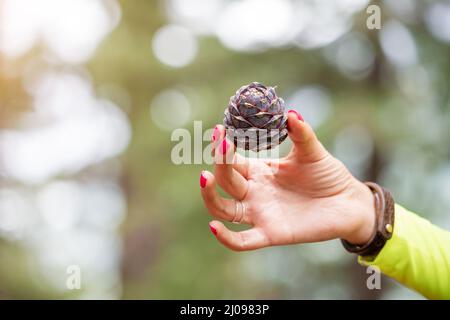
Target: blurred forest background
x,y
91,90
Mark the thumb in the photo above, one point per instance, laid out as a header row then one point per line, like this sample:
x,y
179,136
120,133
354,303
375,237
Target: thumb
x,y
306,145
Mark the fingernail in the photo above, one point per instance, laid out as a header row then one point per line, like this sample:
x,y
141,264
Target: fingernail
x,y
224,146
202,180
215,134
299,116
213,230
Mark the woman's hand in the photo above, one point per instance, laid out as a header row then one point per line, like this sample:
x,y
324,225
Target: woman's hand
x,y
308,196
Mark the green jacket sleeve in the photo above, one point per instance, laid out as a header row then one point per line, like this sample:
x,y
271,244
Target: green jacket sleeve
x,y
417,255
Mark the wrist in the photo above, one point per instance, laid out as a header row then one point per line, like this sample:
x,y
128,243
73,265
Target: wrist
x,y
362,228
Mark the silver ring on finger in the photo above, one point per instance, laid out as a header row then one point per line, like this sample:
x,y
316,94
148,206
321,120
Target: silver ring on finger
x,y
239,212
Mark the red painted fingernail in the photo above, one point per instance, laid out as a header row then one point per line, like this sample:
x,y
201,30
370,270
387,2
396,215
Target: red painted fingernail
x,y
213,230
299,116
216,133
224,146
202,180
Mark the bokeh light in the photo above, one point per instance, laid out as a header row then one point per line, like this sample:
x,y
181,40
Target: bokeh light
x,y
81,130
170,109
198,15
398,44
438,20
57,23
174,46
244,25
353,55
57,218
313,102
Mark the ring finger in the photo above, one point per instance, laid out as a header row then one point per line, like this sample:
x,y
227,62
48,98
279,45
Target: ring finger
x,y
226,209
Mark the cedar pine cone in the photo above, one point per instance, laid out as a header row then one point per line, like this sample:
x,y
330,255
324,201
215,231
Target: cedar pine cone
x,y
255,118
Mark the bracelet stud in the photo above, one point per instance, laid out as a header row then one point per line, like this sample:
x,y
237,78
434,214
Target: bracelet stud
x,y
389,228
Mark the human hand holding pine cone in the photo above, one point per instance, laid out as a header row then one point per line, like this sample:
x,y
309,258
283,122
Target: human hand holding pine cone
x,y
308,196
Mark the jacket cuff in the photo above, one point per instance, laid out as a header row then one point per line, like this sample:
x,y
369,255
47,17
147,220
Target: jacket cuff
x,y
417,255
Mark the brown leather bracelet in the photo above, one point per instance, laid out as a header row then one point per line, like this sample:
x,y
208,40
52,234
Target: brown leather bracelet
x,y
384,223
